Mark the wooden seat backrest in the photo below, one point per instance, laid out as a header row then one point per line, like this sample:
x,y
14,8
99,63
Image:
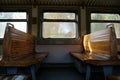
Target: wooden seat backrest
x,y
85,42
101,43
17,44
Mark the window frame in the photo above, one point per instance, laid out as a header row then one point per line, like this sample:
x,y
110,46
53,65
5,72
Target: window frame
x,y
61,20
17,9
60,41
104,21
106,10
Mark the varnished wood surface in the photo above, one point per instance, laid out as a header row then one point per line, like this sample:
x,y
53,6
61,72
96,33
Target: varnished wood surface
x,y
101,42
84,56
19,49
95,60
114,77
17,44
86,42
41,55
100,48
25,62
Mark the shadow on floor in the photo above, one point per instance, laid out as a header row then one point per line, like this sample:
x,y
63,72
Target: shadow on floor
x,y
64,74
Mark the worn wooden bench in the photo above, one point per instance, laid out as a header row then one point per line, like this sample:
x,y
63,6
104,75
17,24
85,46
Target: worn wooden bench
x,y
113,77
19,51
100,49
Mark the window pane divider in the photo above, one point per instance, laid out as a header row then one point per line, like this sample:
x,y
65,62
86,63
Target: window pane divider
x,y
15,20
51,20
104,21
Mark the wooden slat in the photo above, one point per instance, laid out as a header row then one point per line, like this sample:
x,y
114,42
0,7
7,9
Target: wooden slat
x,y
100,48
113,46
17,44
19,49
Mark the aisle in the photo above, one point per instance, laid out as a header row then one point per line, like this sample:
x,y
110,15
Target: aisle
x,y
59,74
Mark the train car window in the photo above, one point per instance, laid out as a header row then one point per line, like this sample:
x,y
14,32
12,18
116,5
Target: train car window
x,y
59,25
103,16
99,21
18,19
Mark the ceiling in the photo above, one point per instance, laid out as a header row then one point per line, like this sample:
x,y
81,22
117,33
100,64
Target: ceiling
x,y
103,3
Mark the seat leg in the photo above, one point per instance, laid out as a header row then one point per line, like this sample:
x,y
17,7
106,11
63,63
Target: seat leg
x,y
88,72
107,71
32,69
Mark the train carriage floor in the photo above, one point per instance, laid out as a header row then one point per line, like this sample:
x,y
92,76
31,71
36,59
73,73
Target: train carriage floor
x,y
64,73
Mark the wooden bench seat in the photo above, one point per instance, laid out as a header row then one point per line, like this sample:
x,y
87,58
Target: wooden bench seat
x,y
113,77
100,49
87,57
19,51
94,60
25,62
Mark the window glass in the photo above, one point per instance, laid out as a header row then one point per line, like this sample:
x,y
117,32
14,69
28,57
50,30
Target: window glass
x,y
18,19
98,26
13,15
117,29
100,21
18,25
53,15
59,25
59,30
100,16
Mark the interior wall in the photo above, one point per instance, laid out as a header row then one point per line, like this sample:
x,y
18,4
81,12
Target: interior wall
x,y
58,53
